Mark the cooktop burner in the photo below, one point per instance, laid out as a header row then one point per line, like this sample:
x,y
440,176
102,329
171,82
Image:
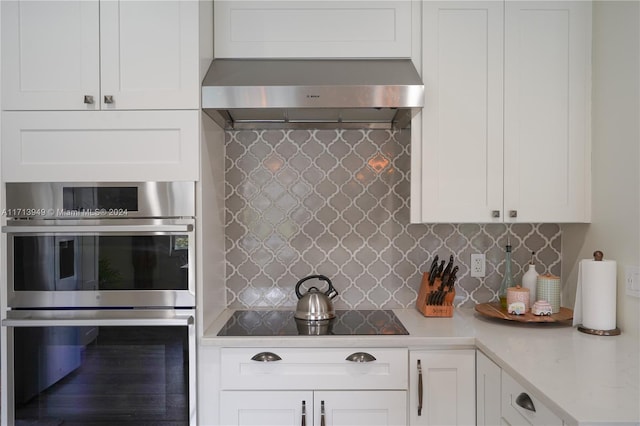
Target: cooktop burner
x,y
283,323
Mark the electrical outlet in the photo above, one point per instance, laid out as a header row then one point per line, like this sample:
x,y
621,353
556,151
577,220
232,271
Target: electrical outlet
x,y
632,280
477,265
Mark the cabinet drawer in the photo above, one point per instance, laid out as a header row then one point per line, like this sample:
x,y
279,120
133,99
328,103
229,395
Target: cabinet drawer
x,y
317,368
515,414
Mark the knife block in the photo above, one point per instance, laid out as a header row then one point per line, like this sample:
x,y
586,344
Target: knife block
x,y
444,310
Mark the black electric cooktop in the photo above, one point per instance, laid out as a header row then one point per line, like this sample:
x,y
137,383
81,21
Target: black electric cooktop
x,y
283,323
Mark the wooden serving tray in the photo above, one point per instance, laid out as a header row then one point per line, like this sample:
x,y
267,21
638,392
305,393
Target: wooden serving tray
x,y
494,310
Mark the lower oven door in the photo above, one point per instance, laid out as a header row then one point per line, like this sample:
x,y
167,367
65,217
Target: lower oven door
x,y
126,367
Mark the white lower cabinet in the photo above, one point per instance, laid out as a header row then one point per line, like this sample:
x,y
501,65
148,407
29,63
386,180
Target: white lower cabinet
x,y
487,391
335,408
442,387
313,386
502,400
521,408
265,408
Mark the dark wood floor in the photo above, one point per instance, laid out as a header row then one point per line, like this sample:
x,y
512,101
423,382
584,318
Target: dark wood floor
x,y
128,376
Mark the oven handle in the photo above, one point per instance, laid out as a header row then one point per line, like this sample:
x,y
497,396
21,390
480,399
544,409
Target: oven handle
x,y
79,229
95,318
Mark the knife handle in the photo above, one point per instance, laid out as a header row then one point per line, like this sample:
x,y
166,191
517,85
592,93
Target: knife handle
x,y
419,388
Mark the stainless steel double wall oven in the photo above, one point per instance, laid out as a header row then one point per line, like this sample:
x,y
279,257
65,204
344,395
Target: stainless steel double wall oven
x,y
101,303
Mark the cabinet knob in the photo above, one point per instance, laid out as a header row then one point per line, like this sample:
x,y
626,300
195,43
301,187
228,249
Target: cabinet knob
x,y
361,357
88,99
513,213
524,401
266,357
495,213
108,99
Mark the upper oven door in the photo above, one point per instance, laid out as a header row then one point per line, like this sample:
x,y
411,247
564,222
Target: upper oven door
x,y
91,200
100,263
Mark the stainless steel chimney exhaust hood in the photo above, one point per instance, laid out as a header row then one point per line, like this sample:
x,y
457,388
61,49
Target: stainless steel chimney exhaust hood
x,y
312,93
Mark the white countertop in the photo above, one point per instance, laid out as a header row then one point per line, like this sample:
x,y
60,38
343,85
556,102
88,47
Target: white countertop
x,y
585,379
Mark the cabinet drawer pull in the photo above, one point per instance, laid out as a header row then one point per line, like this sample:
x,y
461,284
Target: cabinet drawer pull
x,y
304,413
419,388
513,213
322,415
361,357
265,357
88,99
108,99
524,401
495,213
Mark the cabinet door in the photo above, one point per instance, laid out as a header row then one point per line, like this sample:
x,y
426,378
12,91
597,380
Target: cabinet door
x,y
265,408
487,391
313,29
446,381
97,146
360,408
149,54
547,110
462,128
50,55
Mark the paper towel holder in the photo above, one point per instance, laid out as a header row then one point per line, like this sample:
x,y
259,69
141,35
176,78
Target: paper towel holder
x,y
598,256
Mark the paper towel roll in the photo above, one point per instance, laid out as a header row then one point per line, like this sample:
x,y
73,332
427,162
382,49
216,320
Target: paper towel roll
x,y
595,306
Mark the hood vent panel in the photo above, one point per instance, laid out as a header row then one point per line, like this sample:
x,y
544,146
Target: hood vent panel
x,y
324,93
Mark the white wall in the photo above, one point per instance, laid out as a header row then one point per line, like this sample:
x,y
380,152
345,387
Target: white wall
x,y
615,227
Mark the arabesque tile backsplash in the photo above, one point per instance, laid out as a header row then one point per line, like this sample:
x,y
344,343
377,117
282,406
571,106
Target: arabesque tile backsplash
x,y
336,202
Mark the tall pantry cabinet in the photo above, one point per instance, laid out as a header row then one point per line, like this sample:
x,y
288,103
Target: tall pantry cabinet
x,y
505,128
102,89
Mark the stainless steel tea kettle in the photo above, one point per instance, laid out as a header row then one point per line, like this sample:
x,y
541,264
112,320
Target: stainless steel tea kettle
x,y
315,305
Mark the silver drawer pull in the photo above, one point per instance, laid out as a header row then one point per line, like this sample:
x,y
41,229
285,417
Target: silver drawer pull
x,y
108,99
495,213
265,357
361,357
88,99
524,401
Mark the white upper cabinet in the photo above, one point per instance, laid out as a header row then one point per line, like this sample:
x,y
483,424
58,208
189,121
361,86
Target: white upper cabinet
x,y
313,29
462,119
100,146
505,129
50,54
91,55
547,106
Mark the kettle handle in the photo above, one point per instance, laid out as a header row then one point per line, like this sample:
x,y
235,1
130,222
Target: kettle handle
x,y
331,292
